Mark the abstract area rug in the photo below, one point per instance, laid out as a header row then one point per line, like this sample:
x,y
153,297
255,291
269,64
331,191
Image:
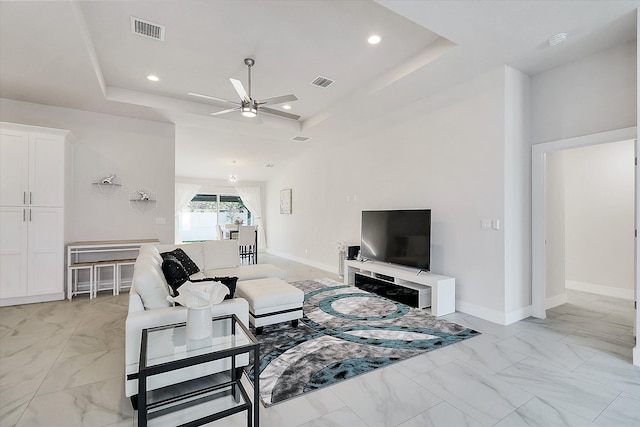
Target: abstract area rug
x,y
345,332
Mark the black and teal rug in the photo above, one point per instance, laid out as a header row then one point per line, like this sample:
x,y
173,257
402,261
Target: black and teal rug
x,y
345,332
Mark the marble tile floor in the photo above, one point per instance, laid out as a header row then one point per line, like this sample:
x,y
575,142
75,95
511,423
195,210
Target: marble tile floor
x,y
61,364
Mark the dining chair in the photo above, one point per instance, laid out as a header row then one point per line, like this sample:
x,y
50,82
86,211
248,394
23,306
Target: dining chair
x,y
248,243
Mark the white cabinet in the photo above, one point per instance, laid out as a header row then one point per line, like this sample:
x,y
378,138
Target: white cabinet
x,y
33,176
13,247
32,169
443,288
14,167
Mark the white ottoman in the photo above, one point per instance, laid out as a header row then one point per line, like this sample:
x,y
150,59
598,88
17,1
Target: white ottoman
x,y
271,300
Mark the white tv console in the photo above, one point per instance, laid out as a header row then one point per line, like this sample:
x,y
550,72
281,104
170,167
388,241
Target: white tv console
x,y
443,288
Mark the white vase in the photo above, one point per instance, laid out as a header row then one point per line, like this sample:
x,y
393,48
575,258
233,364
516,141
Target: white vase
x,y
199,323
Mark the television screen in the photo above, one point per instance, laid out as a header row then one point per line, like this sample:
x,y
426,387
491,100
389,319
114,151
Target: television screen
x,y
397,237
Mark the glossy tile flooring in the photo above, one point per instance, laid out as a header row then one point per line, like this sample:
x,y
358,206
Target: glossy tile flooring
x,y
61,364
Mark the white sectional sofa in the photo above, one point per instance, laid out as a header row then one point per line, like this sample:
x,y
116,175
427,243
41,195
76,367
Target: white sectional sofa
x,y
149,307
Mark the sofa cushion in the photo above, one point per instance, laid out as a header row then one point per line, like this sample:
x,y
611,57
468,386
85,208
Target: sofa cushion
x,y
151,251
188,264
147,258
150,285
220,254
174,272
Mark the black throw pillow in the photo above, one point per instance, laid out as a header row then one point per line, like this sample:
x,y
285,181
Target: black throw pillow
x,y
174,273
184,259
229,282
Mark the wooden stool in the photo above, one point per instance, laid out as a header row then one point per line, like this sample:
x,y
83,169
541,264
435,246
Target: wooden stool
x,y
72,279
99,265
119,264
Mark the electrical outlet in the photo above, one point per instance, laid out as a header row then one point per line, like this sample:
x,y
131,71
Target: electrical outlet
x,y
161,221
485,224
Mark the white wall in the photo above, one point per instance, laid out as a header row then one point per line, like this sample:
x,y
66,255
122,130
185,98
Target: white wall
x,y
517,193
555,230
141,152
449,157
591,95
599,218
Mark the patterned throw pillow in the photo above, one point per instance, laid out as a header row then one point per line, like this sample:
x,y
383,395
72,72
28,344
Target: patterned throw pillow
x,y
184,259
174,273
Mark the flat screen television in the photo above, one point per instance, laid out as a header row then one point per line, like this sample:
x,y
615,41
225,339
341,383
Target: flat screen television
x,y
397,237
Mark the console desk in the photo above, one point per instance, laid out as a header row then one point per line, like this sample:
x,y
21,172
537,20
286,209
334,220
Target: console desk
x,y
443,288
94,255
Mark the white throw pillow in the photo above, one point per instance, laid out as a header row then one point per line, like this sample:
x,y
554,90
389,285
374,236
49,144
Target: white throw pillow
x,y
220,254
151,285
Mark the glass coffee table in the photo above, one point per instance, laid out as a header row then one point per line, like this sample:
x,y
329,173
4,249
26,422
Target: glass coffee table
x,y
163,400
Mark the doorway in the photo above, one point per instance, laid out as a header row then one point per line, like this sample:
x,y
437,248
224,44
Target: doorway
x,y
539,164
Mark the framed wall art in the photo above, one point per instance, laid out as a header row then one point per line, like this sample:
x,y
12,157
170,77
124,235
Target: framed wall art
x,y
285,201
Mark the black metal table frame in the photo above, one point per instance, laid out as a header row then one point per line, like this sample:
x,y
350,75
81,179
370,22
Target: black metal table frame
x,y
145,372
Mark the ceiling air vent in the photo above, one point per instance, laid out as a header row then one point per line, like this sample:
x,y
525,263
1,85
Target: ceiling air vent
x,y
322,81
300,138
147,29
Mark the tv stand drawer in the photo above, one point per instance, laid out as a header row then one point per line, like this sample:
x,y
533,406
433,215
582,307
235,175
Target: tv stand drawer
x,y
419,298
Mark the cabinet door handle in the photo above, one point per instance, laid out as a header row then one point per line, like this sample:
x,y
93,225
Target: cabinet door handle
x,y
24,197
30,215
30,198
24,215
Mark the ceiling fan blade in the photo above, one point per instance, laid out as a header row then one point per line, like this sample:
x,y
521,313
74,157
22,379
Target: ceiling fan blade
x,y
278,113
237,85
214,98
217,113
278,99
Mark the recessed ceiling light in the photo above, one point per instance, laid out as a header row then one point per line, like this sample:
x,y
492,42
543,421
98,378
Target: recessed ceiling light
x,y
153,78
374,39
557,39
287,107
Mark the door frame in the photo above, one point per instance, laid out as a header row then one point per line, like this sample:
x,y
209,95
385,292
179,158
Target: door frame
x,y
538,208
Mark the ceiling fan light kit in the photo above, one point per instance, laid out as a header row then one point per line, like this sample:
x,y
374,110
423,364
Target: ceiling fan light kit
x,y
249,109
248,106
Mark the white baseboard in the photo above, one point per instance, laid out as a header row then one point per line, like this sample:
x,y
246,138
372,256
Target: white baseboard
x,y
517,315
32,299
491,315
304,261
636,355
593,288
555,301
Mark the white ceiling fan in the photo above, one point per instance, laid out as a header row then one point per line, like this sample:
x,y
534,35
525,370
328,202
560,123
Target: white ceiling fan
x,y
248,106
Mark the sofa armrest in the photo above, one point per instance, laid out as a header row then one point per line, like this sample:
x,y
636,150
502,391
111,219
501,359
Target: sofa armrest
x,y
135,303
137,321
